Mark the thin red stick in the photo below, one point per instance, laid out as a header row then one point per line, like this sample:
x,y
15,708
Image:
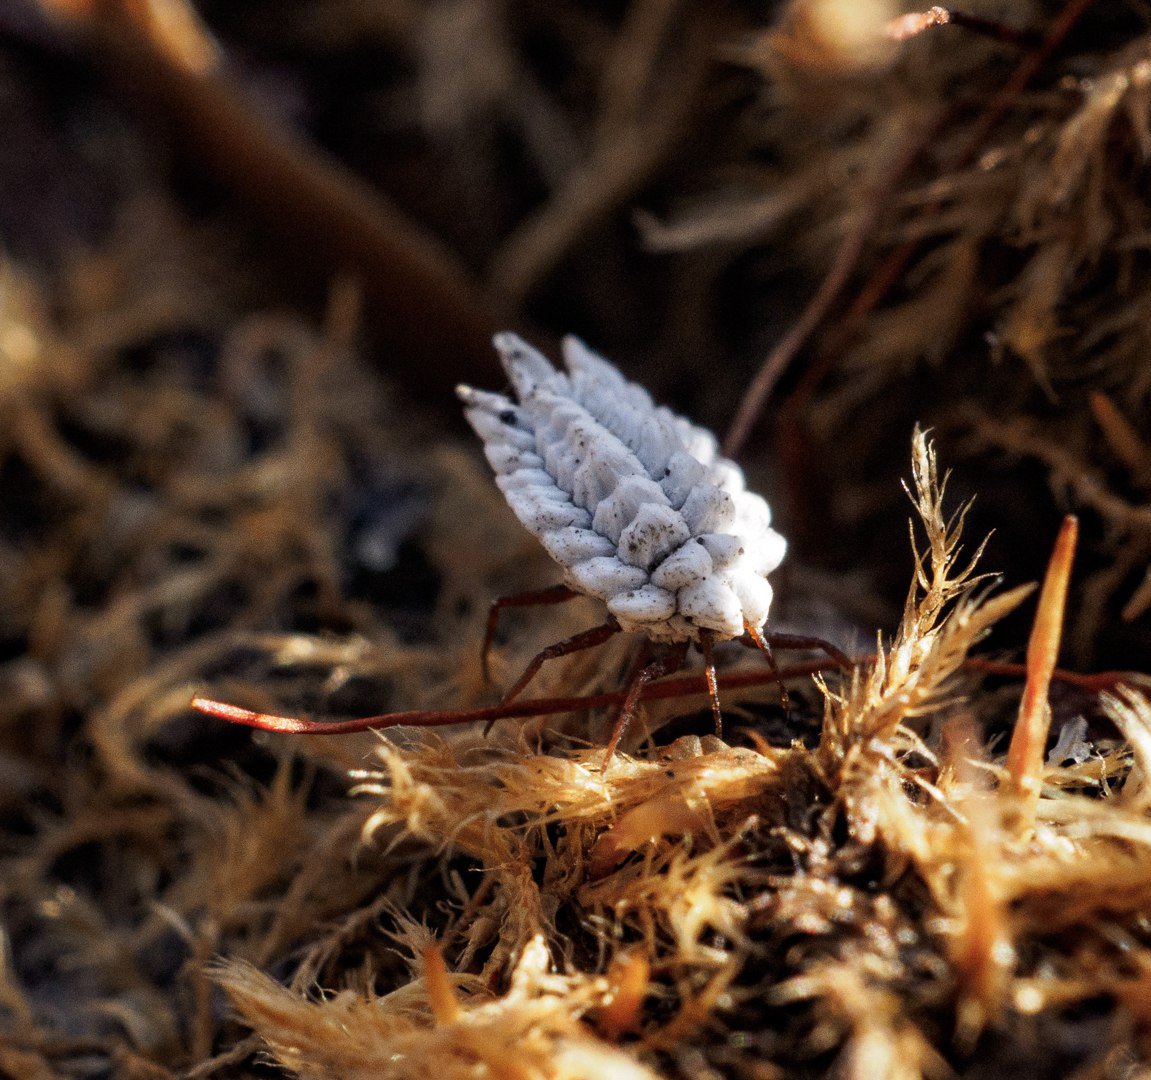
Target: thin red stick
x,y
667,688
908,26
683,686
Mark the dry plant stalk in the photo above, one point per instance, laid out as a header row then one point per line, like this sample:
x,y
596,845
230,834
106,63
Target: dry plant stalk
x,y
942,619
1029,739
425,302
654,852
505,903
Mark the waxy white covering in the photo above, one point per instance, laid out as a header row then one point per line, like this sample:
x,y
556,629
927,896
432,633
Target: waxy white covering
x,y
633,501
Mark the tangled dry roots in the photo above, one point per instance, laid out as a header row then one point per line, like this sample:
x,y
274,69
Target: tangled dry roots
x,y
498,906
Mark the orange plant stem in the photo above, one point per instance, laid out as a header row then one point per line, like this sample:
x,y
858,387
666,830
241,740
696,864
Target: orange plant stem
x,y
1025,755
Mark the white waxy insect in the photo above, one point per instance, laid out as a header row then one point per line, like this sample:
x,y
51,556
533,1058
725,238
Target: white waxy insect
x,y
634,502
639,509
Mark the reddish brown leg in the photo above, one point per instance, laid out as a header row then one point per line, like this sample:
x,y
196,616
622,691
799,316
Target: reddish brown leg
x,y
797,641
760,643
587,639
706,637
557,594
641,660
668,664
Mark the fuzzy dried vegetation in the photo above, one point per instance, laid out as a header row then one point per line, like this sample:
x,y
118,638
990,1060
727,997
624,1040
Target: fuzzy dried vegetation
x,y
972,199
879,901
882,901
901,879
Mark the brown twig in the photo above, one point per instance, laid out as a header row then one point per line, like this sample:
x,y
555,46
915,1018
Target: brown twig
x,y
245,1048
424,304
1122,438
468,911
908,26
1096,682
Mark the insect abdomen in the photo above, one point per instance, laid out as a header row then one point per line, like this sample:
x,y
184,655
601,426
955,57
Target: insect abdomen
x,y
629,499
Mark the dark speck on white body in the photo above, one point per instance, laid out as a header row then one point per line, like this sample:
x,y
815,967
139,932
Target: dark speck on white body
x,y
633,502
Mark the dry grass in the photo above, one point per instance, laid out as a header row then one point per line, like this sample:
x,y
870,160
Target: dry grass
x,y
206,493
881,869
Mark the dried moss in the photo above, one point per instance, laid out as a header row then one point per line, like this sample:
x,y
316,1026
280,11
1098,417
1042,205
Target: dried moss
x,y
204,490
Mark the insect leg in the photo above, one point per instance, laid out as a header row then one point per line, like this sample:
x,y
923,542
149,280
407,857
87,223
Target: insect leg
x,y
587,639
641,660
761,643
668,664
557,594
798,641
706,637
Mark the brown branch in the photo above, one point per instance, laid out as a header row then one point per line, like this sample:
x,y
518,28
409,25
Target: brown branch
x,y
428,311
1122,438
908,26
1095,682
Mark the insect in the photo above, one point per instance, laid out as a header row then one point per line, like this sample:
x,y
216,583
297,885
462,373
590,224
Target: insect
x,y
637,507
640,511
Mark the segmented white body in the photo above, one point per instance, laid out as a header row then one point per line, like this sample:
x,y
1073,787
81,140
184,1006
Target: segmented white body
x,y
633,501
